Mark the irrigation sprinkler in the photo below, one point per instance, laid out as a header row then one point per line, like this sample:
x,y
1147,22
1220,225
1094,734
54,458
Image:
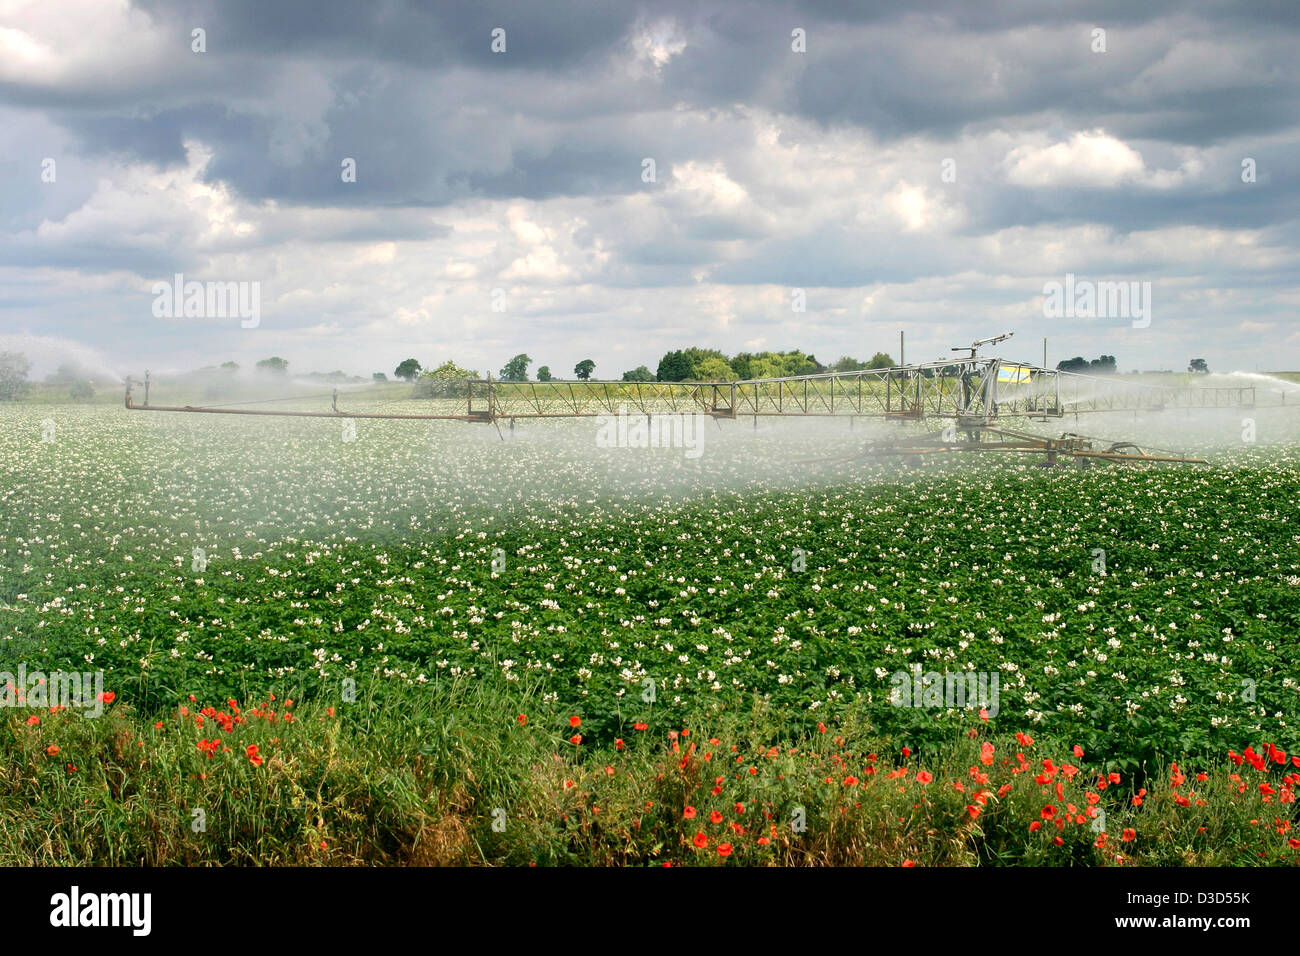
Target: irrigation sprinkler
x,y
981,396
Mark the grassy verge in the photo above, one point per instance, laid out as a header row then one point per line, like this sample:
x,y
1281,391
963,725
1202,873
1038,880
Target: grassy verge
x,y
476,772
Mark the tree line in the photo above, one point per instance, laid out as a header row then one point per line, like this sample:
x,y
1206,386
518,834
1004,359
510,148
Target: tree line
x,y
1106,365
678,365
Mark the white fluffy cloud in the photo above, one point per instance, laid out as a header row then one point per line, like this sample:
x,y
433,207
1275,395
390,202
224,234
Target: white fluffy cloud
x,y
1085,159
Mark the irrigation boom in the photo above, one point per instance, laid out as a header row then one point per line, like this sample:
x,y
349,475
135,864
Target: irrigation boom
x,y
975,393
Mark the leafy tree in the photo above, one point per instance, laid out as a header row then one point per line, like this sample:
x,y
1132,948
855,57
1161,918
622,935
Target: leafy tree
x,y
544,374
674,367
81,391
407,370
776,364
740,364
1199,366
13,376
846,364
766,365
639,374
274,364
880,360
584,369
697,357
1098,366
686,365
795,362
516,370
714,369
379,377
448,379
231,366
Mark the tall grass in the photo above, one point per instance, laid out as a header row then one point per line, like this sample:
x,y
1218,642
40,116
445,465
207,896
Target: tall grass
x,y
481,772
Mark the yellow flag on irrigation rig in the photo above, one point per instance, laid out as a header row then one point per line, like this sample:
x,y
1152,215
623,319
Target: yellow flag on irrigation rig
x,y
1013,374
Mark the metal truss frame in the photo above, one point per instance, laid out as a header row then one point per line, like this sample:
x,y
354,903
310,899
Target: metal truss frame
x,y
969,390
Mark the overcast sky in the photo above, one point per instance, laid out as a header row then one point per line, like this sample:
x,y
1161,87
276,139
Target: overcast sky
x,y
926,166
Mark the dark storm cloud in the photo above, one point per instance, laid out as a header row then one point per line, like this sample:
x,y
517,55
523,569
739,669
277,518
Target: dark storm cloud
x,y
558,34
158,138
1128,210
950,73
417,96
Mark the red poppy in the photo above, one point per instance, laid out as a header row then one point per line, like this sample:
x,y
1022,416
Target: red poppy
x,y
575,739
924,777
1128,835
715,817
701,840
52,749
618,744
724,849
575,721
640,726
1048,812
1077,751
521,719
689,813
